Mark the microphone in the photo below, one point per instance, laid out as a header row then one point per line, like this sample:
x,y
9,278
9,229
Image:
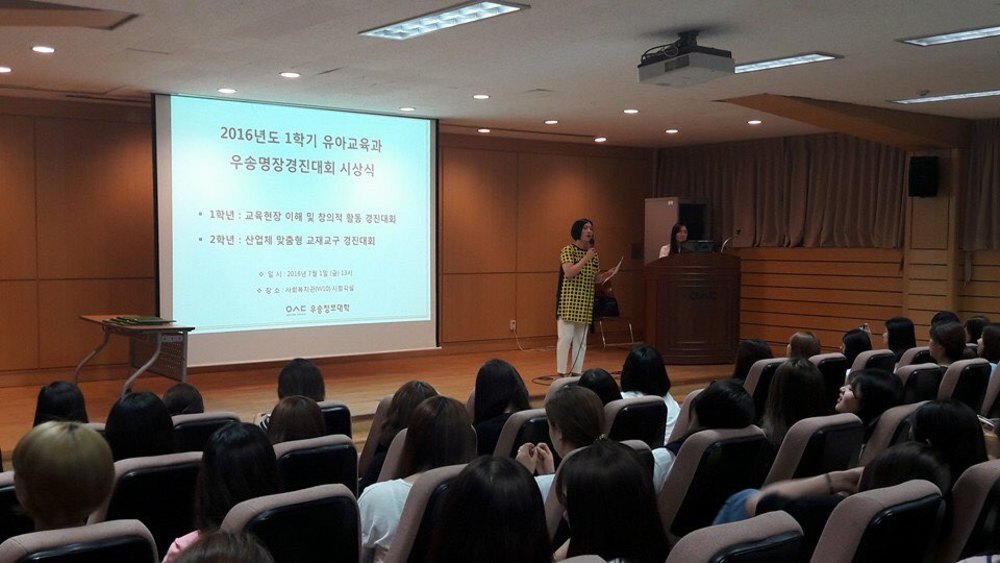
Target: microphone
x,y
725,242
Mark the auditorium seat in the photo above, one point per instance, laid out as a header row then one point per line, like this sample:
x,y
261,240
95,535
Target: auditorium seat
x,y
685,418
96,426
392,458
774,536
470,404
975,526
420,513
337,417
119,540
758,382
966,381
892,428
14,521
374,434
915,355
710,466
991,403
833,367
558,384
326,460
897,523
884,360
522,427
191,431
317,524
920,381
817,445
639,418
157,491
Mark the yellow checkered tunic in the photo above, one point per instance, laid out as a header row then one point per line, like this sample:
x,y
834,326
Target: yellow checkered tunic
x,y
576,295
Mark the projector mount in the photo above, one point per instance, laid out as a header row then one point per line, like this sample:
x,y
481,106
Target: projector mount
x,y
686,43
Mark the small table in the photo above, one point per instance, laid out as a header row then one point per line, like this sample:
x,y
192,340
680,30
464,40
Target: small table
x,y
167,338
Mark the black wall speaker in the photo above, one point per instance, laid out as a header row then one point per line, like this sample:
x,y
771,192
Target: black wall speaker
x,y
923,176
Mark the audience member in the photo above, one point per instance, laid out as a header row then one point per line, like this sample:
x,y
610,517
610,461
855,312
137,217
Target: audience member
x,y
644,374
945,317
295,418
63,471
855,341
500,392
139,425
974,328
225,547
404,401
803,344
440,434
947,344
610,505
183,398
600,381
492,514
60,401
899,335
238,464
868,393
723,404
989,344
953,429
797,392
748,353
297,377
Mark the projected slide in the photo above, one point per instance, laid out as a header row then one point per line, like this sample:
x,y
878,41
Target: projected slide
x,y
286,217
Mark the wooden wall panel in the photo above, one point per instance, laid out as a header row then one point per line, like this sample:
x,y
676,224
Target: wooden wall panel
x,y
19,331
981,296
479,234
65,339
536,304
476,306
17,198
95,199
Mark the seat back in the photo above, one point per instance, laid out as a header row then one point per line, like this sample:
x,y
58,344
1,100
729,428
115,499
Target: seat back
x,y
833,367
920,381
559,384
638,418
774,536
326,460
530,425
470,404
966,381
884,360
420,513
191,431
337,417
157,491
817,445
392,458
374,434
916,355
991,403
686,419
312,525
975,526
891,524
891,428
14,521
758,382
118,540
710,466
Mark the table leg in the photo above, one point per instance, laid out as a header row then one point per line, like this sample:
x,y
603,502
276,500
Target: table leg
x,y
145,366
76,374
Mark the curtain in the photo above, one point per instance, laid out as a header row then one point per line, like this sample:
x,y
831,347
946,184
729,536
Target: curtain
x,y
982,188
820,190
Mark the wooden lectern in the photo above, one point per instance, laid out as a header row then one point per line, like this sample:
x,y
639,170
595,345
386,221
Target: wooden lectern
x,y
693,307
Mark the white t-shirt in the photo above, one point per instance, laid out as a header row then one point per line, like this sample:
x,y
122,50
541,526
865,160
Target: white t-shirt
x,y
663,460
381,506
673,410
544,483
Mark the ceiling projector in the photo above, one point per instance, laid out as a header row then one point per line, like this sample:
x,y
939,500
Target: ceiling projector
x,y
684,62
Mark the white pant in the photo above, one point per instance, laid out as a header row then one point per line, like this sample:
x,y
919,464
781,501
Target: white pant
x,y
572,338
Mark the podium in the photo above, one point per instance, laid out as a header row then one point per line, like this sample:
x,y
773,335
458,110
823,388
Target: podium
x,y
693,307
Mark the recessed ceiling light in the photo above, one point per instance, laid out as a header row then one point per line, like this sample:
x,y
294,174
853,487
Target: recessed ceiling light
x,y
672,131
227,90
600,139
43,49
466,12
289,75
552,122
481,96
754,122
484,130
953,37
407,108
5,69
631,111
947,97
805,58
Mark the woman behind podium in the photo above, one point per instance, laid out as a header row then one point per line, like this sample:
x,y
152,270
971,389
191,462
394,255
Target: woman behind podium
x,y
678,236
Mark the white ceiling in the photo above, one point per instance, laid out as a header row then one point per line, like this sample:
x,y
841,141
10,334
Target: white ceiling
x,y
571,60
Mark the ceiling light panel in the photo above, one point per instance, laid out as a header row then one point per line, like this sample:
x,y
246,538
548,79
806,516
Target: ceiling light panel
x,y
466,12
953,37
947,97
802,59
